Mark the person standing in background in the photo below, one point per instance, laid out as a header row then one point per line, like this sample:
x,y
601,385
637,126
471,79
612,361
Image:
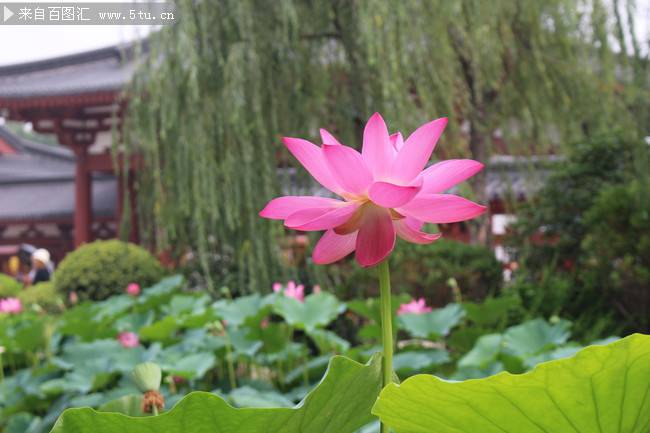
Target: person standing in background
x,y
41,267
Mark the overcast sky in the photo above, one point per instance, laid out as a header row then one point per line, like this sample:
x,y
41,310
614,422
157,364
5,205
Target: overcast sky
x,y
25,43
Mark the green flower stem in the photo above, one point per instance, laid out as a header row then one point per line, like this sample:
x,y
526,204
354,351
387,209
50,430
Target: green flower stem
x,y
154,410
2,371
232,378
386,326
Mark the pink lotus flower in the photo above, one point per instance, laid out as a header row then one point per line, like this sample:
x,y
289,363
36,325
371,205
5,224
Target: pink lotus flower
x,y
133,289
128,340
414,307
385,190
316,289
11,306
292,290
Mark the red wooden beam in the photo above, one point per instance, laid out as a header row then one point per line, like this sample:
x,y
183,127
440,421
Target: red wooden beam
x,y
83,198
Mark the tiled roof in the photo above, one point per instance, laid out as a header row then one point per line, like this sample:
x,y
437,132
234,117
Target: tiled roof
x,y
37,182
106,69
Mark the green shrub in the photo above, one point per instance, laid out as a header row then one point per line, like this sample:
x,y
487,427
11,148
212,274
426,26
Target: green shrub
x,y
425,270
103,268
43,294
591,265
615,264
9,286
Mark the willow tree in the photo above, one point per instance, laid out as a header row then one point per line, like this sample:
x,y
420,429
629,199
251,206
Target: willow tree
x,y
219,88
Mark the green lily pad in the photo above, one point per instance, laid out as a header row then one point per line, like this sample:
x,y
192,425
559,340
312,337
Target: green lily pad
x,y
163,330
329,408
485,351
328,341
432,325
601,389
237,311
535,336
160,293
317,311
128,405
492,311
419,360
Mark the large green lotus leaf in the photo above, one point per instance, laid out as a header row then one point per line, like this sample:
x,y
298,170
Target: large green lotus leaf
x,y
162,330
237,311
420,360
316,311
186,304
81,321
492,311
128,405
485,351
535,336
190,366
328,341
602,389
160,293
339,404
100,356
113,307
433,325
23,333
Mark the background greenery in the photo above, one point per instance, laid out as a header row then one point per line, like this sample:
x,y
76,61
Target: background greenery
x,y
220,88
582,241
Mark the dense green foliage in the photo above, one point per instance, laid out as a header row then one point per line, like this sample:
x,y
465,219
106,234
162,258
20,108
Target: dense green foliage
x,y
220,88
426,270
104,268
263,351
44,295
8,286
583,240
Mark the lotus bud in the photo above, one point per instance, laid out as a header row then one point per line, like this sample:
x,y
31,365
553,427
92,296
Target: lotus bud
x,y
147,376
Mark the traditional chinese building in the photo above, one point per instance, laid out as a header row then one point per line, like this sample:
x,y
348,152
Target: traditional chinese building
x,y
60,197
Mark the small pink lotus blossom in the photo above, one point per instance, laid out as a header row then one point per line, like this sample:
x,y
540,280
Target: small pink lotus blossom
x,y
73,297
265,323
385,190
292,290
296,292
414,307
11,306
128,339
316,289
133,289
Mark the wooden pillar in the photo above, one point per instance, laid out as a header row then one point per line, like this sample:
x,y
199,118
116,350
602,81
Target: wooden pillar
x,y
83,198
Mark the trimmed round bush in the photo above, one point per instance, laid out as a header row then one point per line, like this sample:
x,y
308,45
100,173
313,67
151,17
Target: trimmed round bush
x,y
9,286
101,269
